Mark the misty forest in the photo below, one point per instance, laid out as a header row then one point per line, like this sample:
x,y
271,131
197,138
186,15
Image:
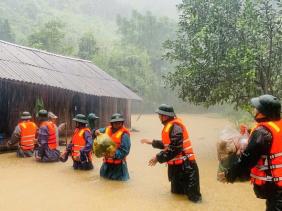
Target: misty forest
x,y
202,52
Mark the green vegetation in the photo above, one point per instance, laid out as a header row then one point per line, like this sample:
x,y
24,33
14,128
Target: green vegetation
x,y
87,47
5,31
49,37
227,51
122,41
135,59
223,51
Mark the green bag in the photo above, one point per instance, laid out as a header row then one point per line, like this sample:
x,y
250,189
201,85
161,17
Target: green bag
x,y
104,146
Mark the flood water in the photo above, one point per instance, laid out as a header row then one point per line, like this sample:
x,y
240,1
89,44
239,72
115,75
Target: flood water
x,y
27,185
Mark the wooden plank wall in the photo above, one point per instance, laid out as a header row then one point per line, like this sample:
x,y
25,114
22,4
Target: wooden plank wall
x,y
16,97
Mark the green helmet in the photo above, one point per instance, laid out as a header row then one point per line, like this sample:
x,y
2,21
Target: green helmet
x,y
25,115
117,118
92,116
42,115
166,110
268,105
80,118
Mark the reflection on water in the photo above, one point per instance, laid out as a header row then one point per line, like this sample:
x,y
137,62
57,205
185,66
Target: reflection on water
x,y
28,185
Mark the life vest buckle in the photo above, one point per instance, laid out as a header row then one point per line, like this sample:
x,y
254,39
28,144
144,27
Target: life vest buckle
x,y
275,155
272,156
275,179
269,178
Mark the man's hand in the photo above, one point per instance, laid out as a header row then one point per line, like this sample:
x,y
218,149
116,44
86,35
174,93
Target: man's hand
x,y
153,161
62,127
35,141
76,158
146,141
8,144
37,158
97,132
221,177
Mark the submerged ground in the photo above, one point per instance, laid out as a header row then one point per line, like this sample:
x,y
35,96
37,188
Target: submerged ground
x,y
27,185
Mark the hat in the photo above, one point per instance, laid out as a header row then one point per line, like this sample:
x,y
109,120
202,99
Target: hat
x,y
80,118
51,115
25,115
267,105
166,110
42,115
92,116
117,118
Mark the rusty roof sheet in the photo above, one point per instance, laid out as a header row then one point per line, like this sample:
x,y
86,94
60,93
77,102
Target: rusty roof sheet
x,y
34,66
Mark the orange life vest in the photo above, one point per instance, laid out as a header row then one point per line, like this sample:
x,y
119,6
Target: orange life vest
x,y
272,163
187,151
116,137
28,131
79,142
52,138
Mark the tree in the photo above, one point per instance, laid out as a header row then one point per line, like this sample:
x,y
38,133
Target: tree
x,y
87,46
49,37
131,66
147,32
5,31
226,51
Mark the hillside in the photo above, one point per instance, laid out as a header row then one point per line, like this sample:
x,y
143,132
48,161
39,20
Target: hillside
x,y
80,16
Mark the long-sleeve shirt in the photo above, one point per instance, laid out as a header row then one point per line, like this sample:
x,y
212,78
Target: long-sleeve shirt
x,y
16,136
88,144
93,133
124,147
57,134
260,143
117,171
43,135
46,154
84,152
174,148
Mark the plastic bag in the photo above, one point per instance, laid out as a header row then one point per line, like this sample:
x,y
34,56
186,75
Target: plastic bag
x,y
104,146
228,143
229,147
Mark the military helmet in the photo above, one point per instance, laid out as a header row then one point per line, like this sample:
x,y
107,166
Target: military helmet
x,y
42,115
25,115
268,105
166,110
92,116
80,118
117,118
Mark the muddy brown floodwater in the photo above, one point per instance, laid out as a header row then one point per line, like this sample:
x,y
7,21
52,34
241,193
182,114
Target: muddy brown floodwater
x,y
27,185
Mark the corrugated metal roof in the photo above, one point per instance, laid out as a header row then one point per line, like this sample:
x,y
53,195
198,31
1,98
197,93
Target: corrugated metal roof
x,y
29,65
